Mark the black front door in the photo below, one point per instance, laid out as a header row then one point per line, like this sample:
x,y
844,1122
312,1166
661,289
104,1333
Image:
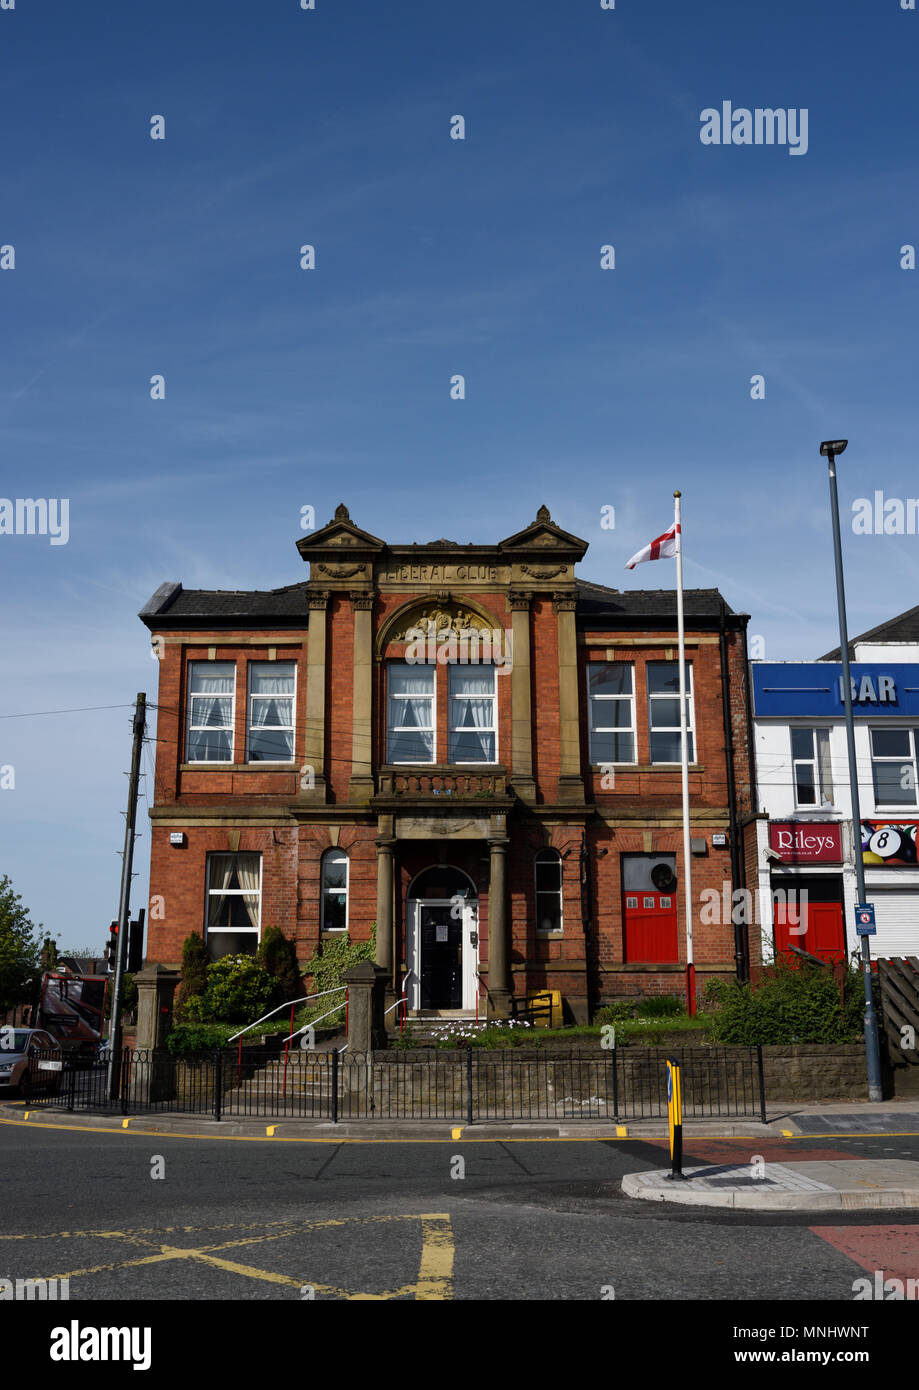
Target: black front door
x,y
441,958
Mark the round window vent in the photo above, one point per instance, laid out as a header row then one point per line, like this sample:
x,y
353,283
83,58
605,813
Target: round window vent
x,y
663,878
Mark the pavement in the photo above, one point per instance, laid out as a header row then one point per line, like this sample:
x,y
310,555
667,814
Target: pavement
x,y
814,1185
789,1119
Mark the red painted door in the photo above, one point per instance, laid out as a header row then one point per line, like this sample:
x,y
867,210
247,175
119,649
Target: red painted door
x,y
650,923
823,934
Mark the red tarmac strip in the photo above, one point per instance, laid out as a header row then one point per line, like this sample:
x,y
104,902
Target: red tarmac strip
x,y
892,1249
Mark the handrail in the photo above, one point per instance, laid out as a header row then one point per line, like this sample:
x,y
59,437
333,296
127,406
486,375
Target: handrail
x,y
313,1021
302,1000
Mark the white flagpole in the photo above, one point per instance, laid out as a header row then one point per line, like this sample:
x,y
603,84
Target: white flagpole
x,y
684,763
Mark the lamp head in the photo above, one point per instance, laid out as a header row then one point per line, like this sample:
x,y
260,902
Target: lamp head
x,y
832,447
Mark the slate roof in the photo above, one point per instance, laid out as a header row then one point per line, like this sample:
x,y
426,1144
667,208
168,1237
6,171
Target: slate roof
x,y
596,601
173,603
903,628
289,607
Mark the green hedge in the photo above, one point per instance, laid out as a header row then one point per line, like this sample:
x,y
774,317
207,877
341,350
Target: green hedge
x,y
791,1004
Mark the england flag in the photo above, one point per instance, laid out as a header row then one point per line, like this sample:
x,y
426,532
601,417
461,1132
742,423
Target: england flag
x,y
661,549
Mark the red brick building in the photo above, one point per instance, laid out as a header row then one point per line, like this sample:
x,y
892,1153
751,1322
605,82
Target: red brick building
x,y
465,744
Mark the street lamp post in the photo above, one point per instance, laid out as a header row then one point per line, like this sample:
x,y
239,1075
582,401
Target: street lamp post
x,y
830,448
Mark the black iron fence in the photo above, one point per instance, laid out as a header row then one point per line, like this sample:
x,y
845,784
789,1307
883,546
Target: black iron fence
x,y
470,1084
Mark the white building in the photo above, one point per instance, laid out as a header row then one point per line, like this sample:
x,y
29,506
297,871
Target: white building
x,y
804,843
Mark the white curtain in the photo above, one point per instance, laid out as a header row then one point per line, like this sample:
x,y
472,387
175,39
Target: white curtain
x,y
221,873
474,706
410,682
247,866
270,713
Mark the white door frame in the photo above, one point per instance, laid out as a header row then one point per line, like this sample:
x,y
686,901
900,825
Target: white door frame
x,y
470,959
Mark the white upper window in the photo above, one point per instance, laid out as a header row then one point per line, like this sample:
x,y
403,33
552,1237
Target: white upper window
x,y
410,716
893,766
664,712
611,701
472,718
271,712
211,705
811,773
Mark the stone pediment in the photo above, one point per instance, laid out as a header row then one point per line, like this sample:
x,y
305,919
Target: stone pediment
x,y
340,536
544,537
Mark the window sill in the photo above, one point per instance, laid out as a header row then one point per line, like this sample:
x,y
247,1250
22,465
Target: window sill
x,y
597,768
239,767
549,935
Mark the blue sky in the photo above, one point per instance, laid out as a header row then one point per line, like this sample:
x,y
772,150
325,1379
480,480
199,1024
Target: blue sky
x,y
584,388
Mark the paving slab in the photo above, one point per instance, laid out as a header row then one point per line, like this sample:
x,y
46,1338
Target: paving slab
x,y
849,1185
859,1122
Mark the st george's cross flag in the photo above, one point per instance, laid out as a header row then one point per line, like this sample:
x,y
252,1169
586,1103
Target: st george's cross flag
x,y
661,549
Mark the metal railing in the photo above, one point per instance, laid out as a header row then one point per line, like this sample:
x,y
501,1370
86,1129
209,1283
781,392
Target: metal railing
x,y
469,1084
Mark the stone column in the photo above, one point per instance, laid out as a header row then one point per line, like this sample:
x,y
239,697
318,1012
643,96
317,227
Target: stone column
x,y
521,714
385,850
570,780
314,743
360,786
156,987
498,989
366,991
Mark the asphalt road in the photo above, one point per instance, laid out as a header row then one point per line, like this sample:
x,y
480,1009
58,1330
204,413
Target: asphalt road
x,y
131,1216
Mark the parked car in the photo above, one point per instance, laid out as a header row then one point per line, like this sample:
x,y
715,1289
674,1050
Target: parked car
x,y
30,1060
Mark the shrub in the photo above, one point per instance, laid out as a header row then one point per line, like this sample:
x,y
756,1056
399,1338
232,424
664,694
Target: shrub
x,y
195,961
618,1012
792,1004
278,955
238,991
659,1006
327,966
197,1037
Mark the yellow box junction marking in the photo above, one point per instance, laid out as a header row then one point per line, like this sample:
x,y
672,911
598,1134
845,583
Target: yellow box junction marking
x,y
435,1272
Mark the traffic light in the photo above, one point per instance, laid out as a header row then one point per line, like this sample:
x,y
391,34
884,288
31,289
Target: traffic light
x,y
136,943
111,950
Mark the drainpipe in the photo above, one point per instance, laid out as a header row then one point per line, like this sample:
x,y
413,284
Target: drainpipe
x,y
741,943
586,919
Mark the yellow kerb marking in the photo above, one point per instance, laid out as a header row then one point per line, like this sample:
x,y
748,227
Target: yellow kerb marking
x,y
622,1131
125,1123
456,1133
270,1130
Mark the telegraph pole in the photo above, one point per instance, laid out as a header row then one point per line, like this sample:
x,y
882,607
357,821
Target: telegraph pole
x,y
830,448
124,900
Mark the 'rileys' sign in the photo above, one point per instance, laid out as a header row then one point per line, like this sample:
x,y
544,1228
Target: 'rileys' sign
x,y
806,842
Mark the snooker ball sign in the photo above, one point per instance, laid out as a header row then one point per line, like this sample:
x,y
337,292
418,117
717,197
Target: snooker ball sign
x,y
889,843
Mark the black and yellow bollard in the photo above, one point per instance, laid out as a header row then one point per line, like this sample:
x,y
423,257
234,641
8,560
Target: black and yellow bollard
x,y
675,1120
